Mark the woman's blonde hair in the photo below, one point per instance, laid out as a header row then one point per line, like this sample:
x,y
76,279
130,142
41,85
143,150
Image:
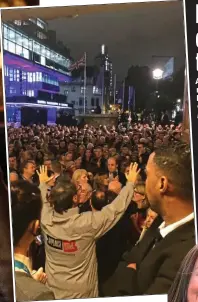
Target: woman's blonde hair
x,y
77,175
140,188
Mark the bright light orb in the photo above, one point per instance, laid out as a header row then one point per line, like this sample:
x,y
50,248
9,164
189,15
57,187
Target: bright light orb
x,y
157,73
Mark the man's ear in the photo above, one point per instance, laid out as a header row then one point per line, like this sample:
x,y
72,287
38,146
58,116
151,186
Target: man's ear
x,y
163,184
75,199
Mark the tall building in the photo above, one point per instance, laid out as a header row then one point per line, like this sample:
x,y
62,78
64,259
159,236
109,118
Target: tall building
x,y
105,66
35,65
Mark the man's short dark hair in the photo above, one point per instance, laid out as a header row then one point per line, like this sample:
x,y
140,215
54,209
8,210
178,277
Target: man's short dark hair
x,y
111,196
61,197
26,207
24,164
175,162
56,166
99,200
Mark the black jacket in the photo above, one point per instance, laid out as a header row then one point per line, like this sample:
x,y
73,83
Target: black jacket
x,y
156,267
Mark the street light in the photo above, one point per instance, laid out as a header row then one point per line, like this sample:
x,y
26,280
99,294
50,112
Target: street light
x,y
158,73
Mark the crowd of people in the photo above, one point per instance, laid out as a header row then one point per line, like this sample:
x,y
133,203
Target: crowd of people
x,y
99,212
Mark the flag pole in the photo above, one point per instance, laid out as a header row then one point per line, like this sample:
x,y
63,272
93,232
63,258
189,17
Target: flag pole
x,y
114,95
102,89
85,81
123,95
129,101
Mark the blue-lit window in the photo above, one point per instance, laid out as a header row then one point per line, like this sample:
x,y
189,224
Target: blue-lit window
x,y
12,90
30,93
38,77
24,76
6,71
11,74
29,74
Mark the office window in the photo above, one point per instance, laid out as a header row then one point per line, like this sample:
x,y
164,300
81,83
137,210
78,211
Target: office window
x,y
12,90
29,77
92,102
30,93
24,76
95,90
5,44
41,24
5,31
11,47
97,102
82,88
11,35
26,53
18,50
73,89
48,53
5,70
37,48
25,41
66,92
40,35
43,61
80,102
33,77
11,74
19,39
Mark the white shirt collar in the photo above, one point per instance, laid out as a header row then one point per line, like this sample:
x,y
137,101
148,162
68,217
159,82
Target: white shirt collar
x,y
165,230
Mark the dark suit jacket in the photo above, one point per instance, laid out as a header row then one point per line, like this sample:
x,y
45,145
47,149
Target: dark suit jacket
x,y
28,289
156,267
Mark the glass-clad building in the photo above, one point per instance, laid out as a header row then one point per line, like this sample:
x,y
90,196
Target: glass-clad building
x,y
29,48
33,73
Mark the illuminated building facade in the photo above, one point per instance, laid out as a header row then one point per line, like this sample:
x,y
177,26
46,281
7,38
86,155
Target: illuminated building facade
x,y
35,65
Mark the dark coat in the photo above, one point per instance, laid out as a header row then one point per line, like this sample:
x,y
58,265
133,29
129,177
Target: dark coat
x,y
156,266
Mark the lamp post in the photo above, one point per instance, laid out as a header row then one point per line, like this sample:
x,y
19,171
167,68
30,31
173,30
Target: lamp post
x,y
157,75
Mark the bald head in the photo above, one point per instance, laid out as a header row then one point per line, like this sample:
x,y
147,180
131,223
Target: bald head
x,y
115,186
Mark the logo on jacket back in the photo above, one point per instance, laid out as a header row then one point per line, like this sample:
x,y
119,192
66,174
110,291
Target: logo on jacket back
x,y
69,246
65,246
55,243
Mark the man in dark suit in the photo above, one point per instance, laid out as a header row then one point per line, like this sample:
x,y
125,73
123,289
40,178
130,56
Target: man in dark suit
x,y
113,171
150,267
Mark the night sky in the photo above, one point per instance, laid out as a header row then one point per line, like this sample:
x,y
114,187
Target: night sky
x,y
133,36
